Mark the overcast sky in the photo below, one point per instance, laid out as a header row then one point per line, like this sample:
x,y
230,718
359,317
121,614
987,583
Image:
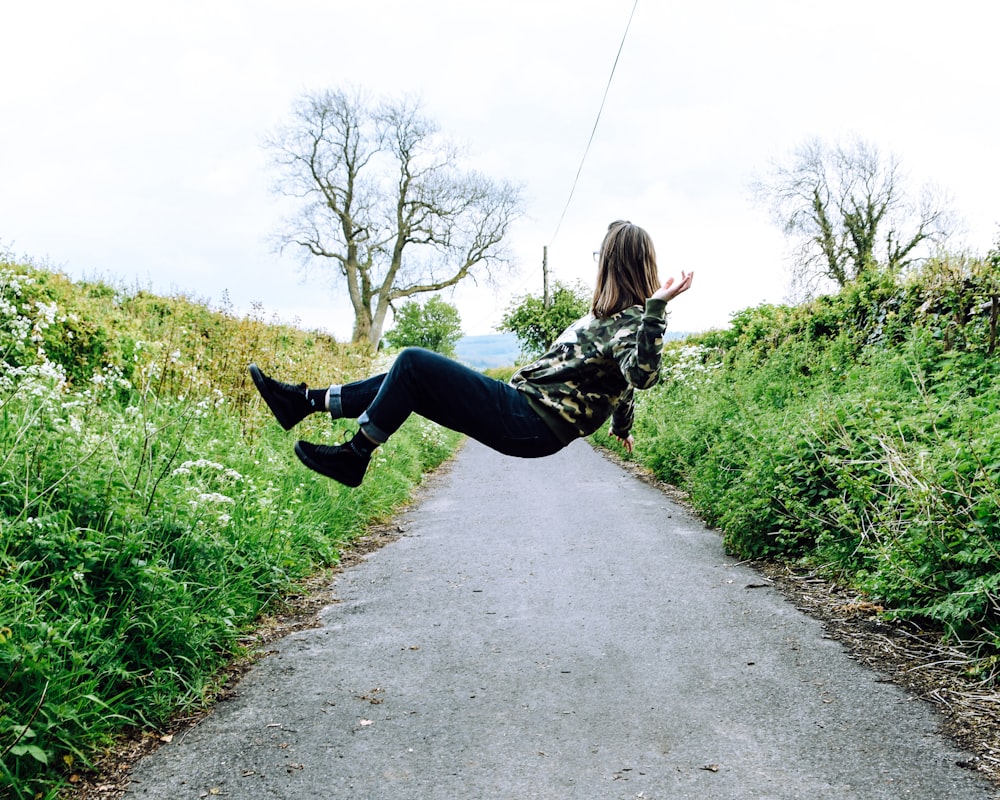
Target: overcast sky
x,y
131,132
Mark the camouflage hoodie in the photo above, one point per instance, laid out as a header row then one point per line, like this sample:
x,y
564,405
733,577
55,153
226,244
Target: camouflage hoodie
x,y
591,370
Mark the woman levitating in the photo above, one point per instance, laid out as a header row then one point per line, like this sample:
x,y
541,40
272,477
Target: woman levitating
x,y
587,376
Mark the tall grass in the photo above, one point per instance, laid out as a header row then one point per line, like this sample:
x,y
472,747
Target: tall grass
x,y
859,433
150,510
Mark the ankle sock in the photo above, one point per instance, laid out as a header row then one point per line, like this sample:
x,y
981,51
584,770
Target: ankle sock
x,y
317,398
362,445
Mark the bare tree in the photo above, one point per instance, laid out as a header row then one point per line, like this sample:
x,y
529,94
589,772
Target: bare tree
x,y
381,195
848,211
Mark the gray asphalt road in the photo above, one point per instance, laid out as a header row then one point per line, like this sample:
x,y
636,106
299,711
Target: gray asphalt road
x,y
559,629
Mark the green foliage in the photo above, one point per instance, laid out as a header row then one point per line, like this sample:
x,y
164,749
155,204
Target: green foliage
x,y
501,373
150,510
859,432
536,326
435,325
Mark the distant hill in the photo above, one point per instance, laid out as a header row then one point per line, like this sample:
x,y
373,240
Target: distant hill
x,y
502,350
489,351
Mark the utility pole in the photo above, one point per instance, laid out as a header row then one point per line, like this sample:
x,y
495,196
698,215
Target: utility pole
x,y
546,302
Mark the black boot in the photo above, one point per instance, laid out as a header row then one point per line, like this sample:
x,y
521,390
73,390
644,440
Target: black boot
x,y
343,463
289,404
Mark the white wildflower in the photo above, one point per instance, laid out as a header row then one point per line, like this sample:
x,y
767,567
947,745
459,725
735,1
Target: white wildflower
x,y
688,365
46,313
207,465
214,497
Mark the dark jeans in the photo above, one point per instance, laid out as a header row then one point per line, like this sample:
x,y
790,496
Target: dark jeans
x,y
450,394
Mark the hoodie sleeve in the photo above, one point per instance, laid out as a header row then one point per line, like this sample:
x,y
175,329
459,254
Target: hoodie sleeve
x,y
624,414
638,349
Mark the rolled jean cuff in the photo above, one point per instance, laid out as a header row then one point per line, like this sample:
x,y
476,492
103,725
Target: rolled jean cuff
x,y
334,402
372,431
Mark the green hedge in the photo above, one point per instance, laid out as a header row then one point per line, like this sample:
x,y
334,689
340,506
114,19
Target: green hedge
x,y
151,509
858,432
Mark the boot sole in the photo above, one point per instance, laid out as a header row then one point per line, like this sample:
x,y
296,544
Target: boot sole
x,y
315,466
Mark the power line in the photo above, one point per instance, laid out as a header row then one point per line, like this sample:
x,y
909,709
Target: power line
x,y
594,129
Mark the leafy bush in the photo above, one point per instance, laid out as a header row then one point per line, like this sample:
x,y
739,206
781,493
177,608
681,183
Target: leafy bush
x,y
536,325
859,432
435,325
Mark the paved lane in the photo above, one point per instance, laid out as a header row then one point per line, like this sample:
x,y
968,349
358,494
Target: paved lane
x,y
559,629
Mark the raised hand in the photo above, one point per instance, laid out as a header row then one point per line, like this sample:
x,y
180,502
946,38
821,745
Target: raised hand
x,y
671,289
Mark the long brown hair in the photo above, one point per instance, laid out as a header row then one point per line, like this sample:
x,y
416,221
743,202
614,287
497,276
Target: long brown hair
x,y
626,270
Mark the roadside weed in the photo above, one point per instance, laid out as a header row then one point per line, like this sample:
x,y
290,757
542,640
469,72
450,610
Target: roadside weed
x,y
151,511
